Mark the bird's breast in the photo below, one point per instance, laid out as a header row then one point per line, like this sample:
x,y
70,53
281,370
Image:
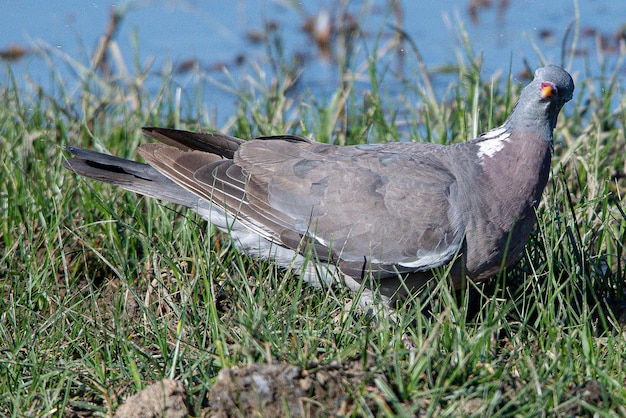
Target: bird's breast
x,y
508,188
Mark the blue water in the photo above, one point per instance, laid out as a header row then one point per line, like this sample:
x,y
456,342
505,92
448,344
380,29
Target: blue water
x,y
214,34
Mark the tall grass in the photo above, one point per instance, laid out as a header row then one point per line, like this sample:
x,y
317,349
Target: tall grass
x,y
103,292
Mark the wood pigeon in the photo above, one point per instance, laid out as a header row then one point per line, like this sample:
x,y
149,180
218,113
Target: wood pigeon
x,y
383,214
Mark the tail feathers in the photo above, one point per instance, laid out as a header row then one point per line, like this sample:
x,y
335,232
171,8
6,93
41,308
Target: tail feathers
x,y
130,175
222,145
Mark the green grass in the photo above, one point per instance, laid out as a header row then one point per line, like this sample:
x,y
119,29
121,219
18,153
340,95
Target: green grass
x,y
103,292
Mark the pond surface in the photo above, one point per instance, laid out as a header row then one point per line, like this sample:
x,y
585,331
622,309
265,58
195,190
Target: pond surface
x,y
214,36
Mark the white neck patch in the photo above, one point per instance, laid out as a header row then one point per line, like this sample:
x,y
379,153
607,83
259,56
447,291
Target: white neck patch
x,y
492,141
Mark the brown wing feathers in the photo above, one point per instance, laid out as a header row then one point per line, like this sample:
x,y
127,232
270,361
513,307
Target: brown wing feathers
x,y
212,177
279,188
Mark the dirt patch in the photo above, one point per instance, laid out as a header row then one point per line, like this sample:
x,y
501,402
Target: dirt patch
x,y
589,393
270,390
284,390
165,398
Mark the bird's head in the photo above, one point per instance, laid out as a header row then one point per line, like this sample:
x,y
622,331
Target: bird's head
x,y
541,101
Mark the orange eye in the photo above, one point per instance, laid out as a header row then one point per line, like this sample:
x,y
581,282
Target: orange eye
x,y
547,90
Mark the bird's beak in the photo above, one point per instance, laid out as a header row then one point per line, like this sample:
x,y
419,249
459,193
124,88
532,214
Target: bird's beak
x,y
548,90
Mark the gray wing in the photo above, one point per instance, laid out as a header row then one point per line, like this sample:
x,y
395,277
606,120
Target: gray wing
x,y
385,208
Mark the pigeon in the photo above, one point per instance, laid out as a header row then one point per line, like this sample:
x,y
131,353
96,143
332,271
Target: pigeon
x,y
384,219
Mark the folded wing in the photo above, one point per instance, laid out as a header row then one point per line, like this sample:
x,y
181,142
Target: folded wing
x,y
373,207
